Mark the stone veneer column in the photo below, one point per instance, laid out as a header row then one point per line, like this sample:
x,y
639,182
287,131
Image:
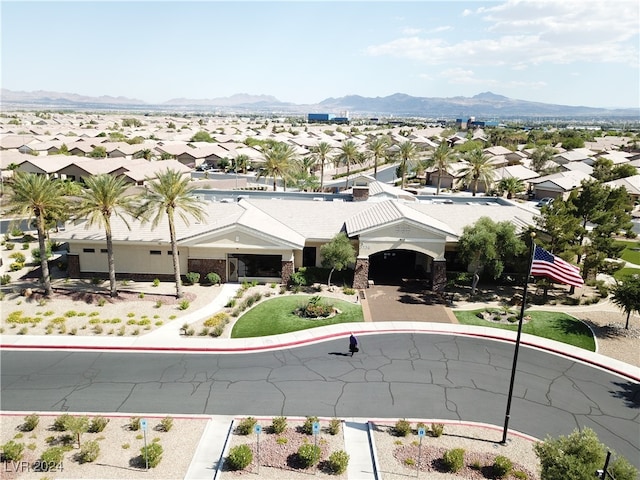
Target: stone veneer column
x,y
438,275
287,271
73,265
208,265
361,273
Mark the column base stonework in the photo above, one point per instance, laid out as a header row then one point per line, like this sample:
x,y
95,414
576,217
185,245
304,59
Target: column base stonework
x,y
361,273
73,265
438,275
287,271
208,265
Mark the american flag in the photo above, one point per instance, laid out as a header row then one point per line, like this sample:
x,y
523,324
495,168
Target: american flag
x,y
548,265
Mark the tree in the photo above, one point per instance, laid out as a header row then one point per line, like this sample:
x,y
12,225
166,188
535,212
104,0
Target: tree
x,y
577,457
408,153
106,196
41,197
540,157
377,149
98,152
169,193
478,169
279,160
626,295
321,153
348,154
77,426
487,245
511,185
241,163
338,254
441,158
202,136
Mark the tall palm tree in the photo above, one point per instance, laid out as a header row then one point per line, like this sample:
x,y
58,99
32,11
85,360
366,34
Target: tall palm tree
x,y
169,193
104,197
479,168
41,197
241,162
408,153
442,157
279,160
321,152
377,149
348,154
511,185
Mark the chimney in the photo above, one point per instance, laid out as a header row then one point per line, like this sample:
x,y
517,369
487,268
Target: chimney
x,y
360,193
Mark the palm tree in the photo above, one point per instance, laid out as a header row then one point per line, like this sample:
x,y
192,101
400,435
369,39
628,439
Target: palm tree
x,y
321,152
169,193
241,162
442,157
478,169
279,160
626,295
408,153
377,149
41,197
106,196
348,154
511,185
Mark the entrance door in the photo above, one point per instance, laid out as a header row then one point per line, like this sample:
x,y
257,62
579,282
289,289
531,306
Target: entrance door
x,y
309,257
232,264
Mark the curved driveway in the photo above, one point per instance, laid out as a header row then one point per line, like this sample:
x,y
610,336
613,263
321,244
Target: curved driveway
x,y
394,376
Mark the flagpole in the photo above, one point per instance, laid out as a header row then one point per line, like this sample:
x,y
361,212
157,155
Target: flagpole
x,y
517,346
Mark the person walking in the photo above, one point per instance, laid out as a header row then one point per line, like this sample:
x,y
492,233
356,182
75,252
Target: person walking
x,y
353,344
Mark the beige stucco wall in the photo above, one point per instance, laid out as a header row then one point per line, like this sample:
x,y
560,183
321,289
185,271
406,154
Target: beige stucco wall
x,y
402,236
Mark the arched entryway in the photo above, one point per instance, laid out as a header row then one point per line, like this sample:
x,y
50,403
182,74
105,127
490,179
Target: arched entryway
x,y
396,267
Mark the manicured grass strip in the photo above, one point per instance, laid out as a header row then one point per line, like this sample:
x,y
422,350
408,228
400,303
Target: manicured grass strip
x,y
625,272
277,315
631,252
552,325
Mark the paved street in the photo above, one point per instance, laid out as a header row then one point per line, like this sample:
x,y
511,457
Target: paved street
x,y
394,376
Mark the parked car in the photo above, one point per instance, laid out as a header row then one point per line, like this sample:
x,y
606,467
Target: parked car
x,y
546,201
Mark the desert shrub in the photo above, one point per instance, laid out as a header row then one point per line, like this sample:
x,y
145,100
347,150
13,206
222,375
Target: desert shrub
x,y
166,424
315,308
192,278
437,429
184,304
217,319
16,266
10,246
298,279
16,232
152,454
309,455
245,426
89,451
519,475
156,282
60,423
5,279
334,426
338,462
212,278
35,253
231,303
402,428
25,246
240,457
98,424
453,460
12,451
501,466
278,424
18,257
30,423
51,458
348,291
307,426
134,424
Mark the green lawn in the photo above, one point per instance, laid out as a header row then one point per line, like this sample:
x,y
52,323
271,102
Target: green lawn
x,y
552,325
277,315
631,252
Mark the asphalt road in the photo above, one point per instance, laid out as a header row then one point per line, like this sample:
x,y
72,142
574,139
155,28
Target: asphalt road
x,y
393,376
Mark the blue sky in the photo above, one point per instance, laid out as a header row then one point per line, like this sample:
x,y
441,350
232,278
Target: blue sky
x,y
571,52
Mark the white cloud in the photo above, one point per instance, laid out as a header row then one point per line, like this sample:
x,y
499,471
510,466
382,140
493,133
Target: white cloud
x,y
466,12
410,31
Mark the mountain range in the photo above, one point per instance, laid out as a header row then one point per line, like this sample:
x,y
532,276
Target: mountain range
x,y
485,105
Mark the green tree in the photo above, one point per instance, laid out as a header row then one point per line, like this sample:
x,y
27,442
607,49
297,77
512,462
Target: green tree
x,y
170,194
104,197
38,196
626,295
540,157
511,185
479,168
377,149
98,152
486,245
408,153
241,163
348,154
77,426
279,159
321,153
338,254
577,457
202,136
441,159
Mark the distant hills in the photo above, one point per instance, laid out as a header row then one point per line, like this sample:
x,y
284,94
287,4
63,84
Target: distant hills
x,y
485,105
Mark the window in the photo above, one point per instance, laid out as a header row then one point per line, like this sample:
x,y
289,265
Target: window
x,y
259,265
103,250
170,252
89,250
155,252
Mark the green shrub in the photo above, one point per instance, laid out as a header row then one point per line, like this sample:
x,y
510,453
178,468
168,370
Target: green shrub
x,y
184,304
309,455
16,266
30,423
152,454
51,458
338,462
134,424
245,426
240,457
60,423
18,257
35,253
307,426
166,424
348,291
25,246
402,428
453,460
298,279
192,278
437,429
156,282
520,475
217,319
278,424
12,451
10,246
213,278
89,451
502,466
98,424
334,426
5,279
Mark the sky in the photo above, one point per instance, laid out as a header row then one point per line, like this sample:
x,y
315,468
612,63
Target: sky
x,y
568,52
